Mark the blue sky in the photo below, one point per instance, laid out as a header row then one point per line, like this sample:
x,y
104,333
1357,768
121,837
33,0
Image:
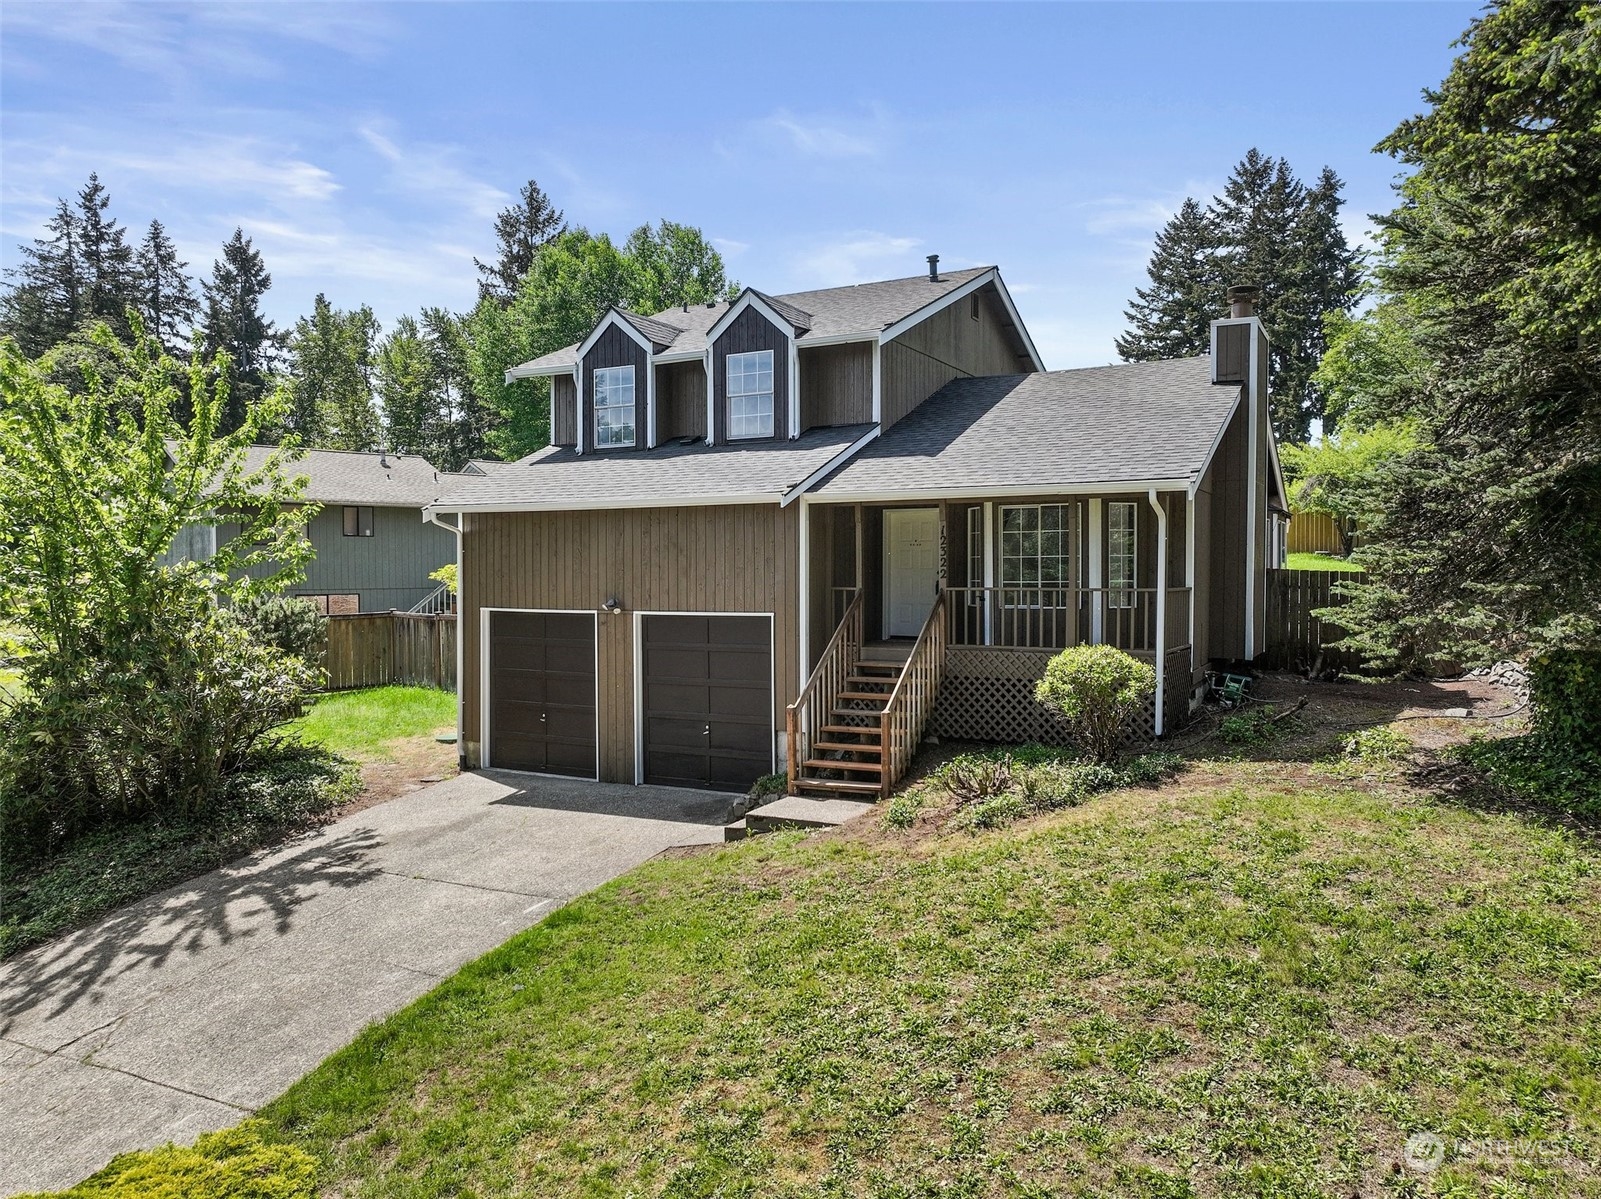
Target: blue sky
x,y
366,148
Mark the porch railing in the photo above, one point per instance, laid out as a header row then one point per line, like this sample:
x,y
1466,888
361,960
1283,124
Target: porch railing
x,y
839,600
1057,617
810,710
912,700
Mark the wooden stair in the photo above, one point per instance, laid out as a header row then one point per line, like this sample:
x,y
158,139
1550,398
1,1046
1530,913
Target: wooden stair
x,y
848,754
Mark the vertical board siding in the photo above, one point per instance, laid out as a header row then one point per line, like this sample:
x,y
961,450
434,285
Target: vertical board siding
x,y
680,401
1296,638
948,345
388,570
1233,353
1313,533
836,385
383,649
749,331
615,348
736,558
563,411
1225,481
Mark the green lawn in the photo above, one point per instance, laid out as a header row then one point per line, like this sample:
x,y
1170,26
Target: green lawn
x,y
1318,562
365,724
1258,981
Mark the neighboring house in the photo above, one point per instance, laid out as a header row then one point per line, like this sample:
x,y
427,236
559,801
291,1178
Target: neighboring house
x,y
803,530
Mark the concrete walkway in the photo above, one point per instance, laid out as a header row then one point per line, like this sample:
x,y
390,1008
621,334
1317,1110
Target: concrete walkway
x,y
185,1012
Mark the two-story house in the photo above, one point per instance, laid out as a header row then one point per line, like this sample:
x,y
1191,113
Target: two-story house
x,y
800,531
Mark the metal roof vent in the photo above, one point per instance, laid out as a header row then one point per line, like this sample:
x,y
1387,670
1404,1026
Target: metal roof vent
x,y
933,268
1242,300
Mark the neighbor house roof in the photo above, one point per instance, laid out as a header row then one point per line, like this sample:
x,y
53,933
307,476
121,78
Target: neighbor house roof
x,y
353,477
1143,422
484,466
864,309
559,477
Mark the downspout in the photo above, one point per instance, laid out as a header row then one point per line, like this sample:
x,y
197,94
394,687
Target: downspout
x,y
461,638
1161,610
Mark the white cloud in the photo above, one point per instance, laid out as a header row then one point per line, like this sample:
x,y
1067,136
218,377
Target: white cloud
x,y
857,258
1121,215
728,247
431,170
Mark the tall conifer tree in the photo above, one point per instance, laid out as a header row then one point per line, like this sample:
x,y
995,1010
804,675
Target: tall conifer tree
x,y
167,299
519,232
1171,318
234,322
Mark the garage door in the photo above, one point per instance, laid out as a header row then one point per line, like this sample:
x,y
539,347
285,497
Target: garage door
x,y
542,692
706,686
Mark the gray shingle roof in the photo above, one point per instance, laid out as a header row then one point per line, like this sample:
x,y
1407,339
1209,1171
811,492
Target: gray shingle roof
x,y
557,477
660,333
1109,424
864,308
349,477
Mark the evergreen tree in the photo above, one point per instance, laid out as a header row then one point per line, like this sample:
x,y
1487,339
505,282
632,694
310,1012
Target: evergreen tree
x,y
167,300
413,421
110,279
1172,317
519,233
331,362
468,421
1267,229
235,323
43,301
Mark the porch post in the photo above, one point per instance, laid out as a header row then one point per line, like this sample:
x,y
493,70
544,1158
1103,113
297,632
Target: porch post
x,y
989,572
803,574
1097,598
861,582
1161,609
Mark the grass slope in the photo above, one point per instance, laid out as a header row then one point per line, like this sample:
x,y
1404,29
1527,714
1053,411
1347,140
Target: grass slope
x,y
1257,990
366,725
1304,561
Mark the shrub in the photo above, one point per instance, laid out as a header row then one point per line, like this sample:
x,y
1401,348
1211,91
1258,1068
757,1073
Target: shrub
x,y
1565,692
236,1163
993,787
286,622
1097,689
769,784
1378,744
1258,726
1554,773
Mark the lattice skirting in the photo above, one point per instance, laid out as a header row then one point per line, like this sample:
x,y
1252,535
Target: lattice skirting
x,y
988,695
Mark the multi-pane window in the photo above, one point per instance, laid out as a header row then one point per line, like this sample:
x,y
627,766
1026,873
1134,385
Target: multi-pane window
x,y
614,407
1122,535
750,394
358,522
1035,551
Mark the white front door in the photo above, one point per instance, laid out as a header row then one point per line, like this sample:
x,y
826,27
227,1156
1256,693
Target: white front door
x,y
911,568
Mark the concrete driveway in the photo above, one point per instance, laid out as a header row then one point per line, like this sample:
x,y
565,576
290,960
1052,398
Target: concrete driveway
x,y
185,1012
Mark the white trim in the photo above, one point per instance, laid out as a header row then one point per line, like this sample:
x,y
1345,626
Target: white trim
x,y
711,396
639,684
1097,574
1189,574
794,390
878,383
614,316
620,502
772,396
1257,370
749,299
432,518
1222,431
989,572
1160,654
528,371
804,575
594,409
883,563
1104,487
484,760
833,463
993,275
579,422
809,340
668,357
650,404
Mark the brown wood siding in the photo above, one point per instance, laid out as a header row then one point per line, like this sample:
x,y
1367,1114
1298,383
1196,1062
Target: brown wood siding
x,y
615,348
1233,353
1201,635
750,331
836,385
680,401
1225,482
1260,436
563,411
694,559
948,345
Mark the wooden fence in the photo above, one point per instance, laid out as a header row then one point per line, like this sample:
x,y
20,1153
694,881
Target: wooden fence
x,y
379,649
1313,533
1296,639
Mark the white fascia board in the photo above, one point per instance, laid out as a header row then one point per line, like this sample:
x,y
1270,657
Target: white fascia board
x,y
1222,430
672,356
529,371
749,299
614,317
1106,487
1273,461
807,340
1017,321
633,501
822,472
890,332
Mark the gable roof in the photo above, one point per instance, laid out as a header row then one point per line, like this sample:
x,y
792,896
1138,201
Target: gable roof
x,y
1014,434
559,478
483,466
834,313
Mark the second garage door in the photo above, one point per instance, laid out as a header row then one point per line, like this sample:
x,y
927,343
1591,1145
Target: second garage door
x,y
542,692
706,686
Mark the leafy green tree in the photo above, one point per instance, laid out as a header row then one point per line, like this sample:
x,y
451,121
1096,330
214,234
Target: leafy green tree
x,y
1172,317
236,331
408,391
166,294
672,264
1329,476
1269,229
1486,541
1372,366
519,233
141,692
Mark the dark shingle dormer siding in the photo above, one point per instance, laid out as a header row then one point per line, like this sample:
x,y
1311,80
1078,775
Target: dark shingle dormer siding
x,y
615,348
750,330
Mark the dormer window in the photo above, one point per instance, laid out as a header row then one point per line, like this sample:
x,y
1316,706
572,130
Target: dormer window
x,y
614,407
750,395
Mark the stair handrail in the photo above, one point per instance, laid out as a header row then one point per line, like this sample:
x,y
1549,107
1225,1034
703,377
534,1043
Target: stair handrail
x,y
824,686
435,602
911,701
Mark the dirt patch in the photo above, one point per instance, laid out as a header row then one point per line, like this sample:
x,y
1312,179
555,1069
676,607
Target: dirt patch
x,y
411,764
